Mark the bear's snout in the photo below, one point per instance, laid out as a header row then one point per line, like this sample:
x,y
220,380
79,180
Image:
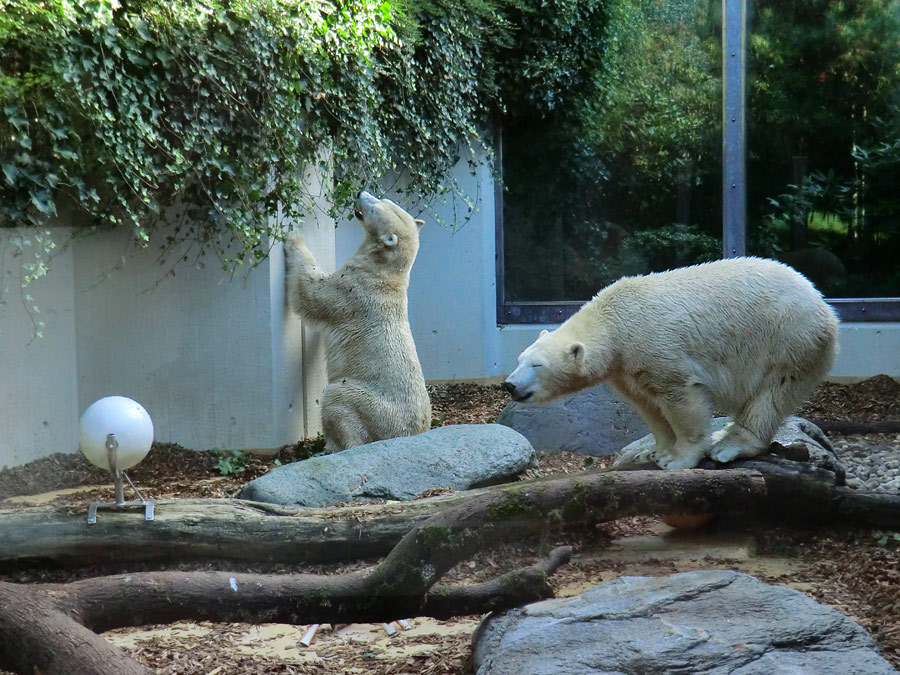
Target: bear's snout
x,y
364,203
515,392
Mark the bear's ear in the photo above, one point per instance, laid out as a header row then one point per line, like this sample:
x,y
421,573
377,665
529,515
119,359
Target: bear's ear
x,y
419,223
543,333
576,351
390,239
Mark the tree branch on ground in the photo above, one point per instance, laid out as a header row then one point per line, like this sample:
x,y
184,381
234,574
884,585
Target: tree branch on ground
x,y
229,529
49,628
848,427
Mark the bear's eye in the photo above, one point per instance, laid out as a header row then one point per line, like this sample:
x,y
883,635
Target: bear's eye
x,y
537,365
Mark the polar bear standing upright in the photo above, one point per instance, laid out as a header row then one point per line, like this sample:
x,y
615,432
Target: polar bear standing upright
x,y
747,336
375,385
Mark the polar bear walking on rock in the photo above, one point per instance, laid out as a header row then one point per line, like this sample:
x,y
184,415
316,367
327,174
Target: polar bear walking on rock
x,y
747,336
375,385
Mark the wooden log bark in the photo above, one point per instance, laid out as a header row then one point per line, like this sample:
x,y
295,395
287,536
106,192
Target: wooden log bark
x,y
249,531
49,628
848,427
799,492
230,529
225,529
397,587
37,637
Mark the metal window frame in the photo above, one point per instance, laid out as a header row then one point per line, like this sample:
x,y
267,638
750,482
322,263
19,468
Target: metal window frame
x,y
734,194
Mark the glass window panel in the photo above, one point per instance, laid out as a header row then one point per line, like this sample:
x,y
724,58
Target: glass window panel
x,y
628,180
823,126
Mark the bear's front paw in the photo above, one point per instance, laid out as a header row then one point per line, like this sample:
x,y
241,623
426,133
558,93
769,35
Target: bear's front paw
x,y
294,242
673,461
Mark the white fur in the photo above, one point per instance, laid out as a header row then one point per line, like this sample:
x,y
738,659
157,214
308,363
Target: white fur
x,y
745,336
376,389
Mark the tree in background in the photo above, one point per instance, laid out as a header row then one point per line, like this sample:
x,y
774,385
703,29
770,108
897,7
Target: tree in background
x,y
824,135
626,177
641,133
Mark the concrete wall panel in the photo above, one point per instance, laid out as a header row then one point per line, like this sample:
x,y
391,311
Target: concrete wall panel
x,y
37,374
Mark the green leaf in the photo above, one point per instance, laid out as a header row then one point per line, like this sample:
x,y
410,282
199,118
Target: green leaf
x,y
10,172
140,27
43,202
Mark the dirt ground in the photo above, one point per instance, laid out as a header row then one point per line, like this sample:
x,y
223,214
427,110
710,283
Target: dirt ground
x,y
855,571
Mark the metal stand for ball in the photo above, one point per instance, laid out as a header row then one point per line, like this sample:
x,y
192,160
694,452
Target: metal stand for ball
x,y
120,503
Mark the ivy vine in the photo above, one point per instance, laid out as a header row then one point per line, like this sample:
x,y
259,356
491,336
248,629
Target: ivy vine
x,y
210,115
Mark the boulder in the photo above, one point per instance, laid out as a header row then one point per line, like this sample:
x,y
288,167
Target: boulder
x,y
592,422
797,440
714,622
459,457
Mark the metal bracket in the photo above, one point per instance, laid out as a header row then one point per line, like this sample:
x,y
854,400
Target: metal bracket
x,y
149,505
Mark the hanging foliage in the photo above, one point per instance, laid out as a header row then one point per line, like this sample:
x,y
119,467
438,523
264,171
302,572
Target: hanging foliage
x,y
212,114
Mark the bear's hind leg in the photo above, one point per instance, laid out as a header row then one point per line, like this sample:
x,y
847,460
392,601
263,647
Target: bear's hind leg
x,y
736,441
342,424
689,412
753,428
342,429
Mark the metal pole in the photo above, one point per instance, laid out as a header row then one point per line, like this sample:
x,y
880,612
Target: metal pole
x,y
111,445
734,150
499,252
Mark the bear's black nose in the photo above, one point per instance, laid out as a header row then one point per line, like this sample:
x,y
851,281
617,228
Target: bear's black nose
x,y
510,387
359,194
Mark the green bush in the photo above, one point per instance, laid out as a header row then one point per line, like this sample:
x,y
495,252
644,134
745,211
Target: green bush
x,y
210,115
229,462
113,113
126,110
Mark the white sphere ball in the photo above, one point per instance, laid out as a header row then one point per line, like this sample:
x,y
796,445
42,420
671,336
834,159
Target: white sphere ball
x,y
123,417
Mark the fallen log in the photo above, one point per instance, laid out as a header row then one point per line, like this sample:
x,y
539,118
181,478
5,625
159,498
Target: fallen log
x,y
848,427
226,529
56,622
52,628
231,529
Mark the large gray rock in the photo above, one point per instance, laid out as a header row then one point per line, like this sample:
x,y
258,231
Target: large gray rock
x,y
714,622
592,422
796,439
459,457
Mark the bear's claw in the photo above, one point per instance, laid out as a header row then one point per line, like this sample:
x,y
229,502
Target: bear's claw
x,y
725,452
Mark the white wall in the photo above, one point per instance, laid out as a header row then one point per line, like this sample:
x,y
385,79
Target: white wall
x,y
192,346
217,360
37,375
868,349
